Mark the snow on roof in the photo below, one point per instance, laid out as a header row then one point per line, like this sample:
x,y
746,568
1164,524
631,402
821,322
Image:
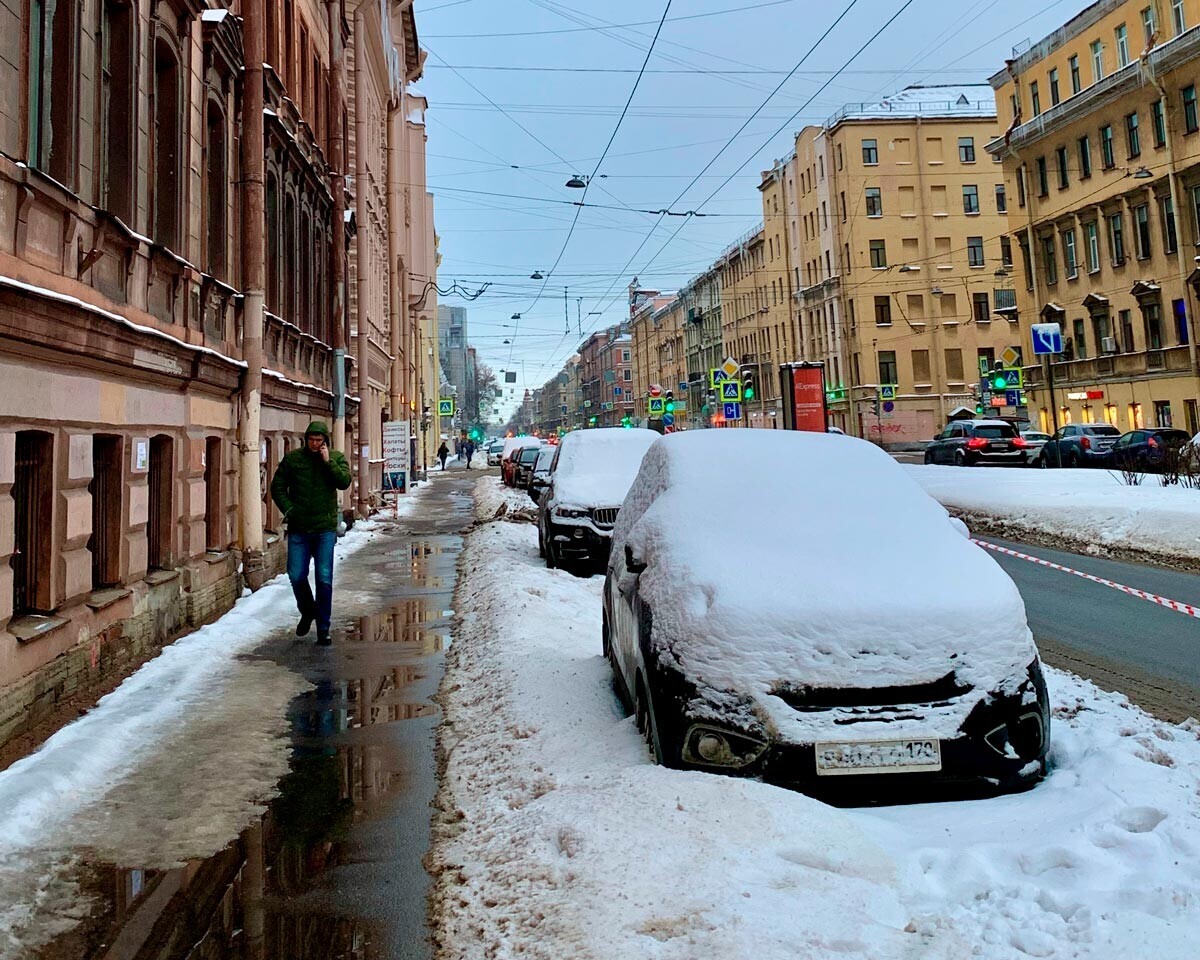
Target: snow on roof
x,y
953,100
596,467
812,559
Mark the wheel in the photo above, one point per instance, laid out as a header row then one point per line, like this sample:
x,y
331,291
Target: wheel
x,y
551,556
960,458
928,458
1041,461
541,544
665,753
1073,460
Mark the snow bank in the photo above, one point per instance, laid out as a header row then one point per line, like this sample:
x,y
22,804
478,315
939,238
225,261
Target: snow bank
x,y
491,494
1091,510
557,838
829,568
596,467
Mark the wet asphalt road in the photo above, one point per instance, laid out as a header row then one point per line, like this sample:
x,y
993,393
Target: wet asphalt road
x,y
334,869
1149,652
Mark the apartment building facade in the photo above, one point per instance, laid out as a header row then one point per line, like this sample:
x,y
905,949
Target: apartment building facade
x,y
1102,161
615,389
743,278
702,343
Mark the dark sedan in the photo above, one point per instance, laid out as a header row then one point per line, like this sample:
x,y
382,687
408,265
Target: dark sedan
x,y
1151,450
966,443
1080,445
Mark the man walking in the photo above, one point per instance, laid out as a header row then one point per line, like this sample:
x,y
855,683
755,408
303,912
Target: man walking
x,y
470,452
305,489
443,453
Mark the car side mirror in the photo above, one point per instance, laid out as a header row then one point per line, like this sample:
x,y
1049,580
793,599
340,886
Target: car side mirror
x,y
632,565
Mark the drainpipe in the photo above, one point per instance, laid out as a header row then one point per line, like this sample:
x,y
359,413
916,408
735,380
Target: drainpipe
x,y
254,287
362,241
337,188
397,267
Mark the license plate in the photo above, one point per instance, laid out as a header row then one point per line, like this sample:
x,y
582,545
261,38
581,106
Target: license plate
x,y
879,756
998,446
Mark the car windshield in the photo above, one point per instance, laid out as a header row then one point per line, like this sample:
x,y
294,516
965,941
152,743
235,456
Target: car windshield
x,y
530,454
1101,430
545,458
995,430
1041,437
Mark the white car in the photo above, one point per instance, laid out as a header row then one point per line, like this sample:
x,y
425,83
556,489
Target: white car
x,y
773,633
495,451
588,479
1034,441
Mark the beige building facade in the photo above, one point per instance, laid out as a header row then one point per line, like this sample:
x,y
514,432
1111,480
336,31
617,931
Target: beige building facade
x,y
1102,161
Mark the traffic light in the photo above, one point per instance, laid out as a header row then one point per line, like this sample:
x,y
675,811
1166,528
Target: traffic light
x,y
669,404
979,408
591,421
998,380
627,421
747,375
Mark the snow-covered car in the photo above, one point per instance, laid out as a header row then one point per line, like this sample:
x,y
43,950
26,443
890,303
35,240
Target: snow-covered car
x,y
508,465
591,472
541,471
828,627
494,452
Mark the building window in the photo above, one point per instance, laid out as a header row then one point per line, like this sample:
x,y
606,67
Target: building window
x,y
1085,158
970,198
1178,17
1116,238
1021,185
1035,99
627,375
870,152
1196,209
1060,160
920,366
166,113
887,367
1076,82
1125,320
625,356
980,308
1001,199
213,513
954,365
1006,251
272,232
1043,179
1141,229
1070,263
161,517
1170,244
1122,38
1091,235
1079,340
966,149
118,84
33,504
878,254
1049,261
1152,317
839,156
1054,95
1192,416
1133,139
1097,61
1159,123
53,76
883,311
843,199
1149,25
1190,123
874,202
1107,156
105,488
975,251
215,198
1162,413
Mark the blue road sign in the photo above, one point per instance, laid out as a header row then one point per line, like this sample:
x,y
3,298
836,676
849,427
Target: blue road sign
x,y
731,391
616,391
683,385
733,411
888,406
1012,398
668,419
1012,379
1047,338
887,391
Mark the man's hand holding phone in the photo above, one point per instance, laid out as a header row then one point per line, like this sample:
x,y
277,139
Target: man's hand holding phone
x,y
325,451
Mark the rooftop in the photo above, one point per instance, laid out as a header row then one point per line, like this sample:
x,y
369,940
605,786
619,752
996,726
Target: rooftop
x,y
974,100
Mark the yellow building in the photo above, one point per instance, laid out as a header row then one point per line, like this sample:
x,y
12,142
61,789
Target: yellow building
x,y
901,259
1102,161
743,273
647,333
775,339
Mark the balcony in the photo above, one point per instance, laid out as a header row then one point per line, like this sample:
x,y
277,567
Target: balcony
x,y
1114,368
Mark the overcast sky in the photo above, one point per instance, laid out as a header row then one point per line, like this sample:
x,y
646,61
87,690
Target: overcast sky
x,y
504,140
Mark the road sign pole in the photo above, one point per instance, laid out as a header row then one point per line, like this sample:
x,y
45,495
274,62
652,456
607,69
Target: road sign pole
x,y
1048,360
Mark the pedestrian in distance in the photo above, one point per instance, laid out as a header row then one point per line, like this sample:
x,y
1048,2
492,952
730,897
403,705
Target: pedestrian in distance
x,y
305,489
443,453
470,452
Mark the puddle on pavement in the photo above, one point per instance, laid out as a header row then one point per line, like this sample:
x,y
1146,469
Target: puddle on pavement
x,y
333,869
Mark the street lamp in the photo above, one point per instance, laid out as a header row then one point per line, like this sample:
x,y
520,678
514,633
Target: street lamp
x,y
515,316
908,268
536,275
1141,173
937,291
577,182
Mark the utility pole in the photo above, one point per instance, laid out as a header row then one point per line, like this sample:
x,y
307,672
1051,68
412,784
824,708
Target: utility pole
x,y
253,267
337,190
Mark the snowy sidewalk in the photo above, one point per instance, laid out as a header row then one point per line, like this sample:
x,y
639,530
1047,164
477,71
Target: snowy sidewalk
x,y
1090,511
557,838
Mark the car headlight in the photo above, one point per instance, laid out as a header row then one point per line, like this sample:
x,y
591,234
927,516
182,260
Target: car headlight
x,y
569,513
715,747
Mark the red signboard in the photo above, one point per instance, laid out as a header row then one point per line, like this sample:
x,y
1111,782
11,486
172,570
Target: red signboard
x,y
807,392
655,390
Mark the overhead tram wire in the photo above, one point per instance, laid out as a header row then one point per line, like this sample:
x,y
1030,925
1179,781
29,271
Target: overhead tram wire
x,y
596,168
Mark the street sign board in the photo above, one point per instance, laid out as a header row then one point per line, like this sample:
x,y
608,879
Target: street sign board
x,y
1010,357
1012,398
655,407
683,385
716,376
1013,378
656,390
889,406
668,420
805,404
733,411
731,391
997,401
395,456
1047,338
730,366
445,406
887,391
616,391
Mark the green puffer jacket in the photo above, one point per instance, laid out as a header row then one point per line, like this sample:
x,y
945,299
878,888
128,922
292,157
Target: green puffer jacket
x,y
305,486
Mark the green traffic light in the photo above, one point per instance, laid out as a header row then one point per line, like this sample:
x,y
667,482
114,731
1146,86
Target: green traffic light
x,y
748,392
979,408
998,382
670,406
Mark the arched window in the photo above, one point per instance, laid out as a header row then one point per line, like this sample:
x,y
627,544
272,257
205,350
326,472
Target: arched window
x,y
166,140
272,244
118,90
53,87
289,259
215,191
304,281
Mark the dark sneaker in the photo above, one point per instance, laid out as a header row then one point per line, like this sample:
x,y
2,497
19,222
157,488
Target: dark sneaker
x,y
304,625
323,639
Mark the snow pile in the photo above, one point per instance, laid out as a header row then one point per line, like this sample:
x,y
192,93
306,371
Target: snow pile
x,y
596,467
1090,510
828,514
558,839
491,494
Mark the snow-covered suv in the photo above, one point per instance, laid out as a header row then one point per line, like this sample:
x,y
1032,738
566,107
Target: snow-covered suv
x,y
763,638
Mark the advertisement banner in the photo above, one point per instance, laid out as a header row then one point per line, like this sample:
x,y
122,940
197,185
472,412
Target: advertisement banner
x,y
396,464
804,387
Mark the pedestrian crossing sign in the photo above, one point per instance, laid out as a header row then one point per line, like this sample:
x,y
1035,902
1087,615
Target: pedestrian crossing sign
x,y
887,391
716,377
656,406
445,406
731,391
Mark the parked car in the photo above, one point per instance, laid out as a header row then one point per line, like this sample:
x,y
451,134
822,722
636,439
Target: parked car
x,y
1034,441
781,665
513,445
523,469
541,472
966,443
495,451
1150,450
588,479
1080,445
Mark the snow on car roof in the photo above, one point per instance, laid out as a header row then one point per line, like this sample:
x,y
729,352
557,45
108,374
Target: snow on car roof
x,y
804,558
595,467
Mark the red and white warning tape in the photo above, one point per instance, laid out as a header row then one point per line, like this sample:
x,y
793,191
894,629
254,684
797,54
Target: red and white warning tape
x,y
1184,608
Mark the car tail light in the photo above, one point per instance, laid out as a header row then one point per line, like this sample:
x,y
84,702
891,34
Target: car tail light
x,y
1086,443
1153,441
976,442
1019,443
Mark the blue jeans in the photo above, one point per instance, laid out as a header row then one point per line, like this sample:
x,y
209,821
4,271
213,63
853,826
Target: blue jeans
x,y
316,547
